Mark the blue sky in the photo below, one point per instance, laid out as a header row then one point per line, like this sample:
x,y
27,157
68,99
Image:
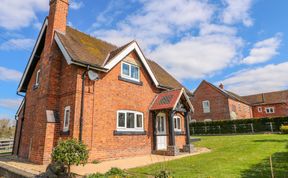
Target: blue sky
x,y
241,43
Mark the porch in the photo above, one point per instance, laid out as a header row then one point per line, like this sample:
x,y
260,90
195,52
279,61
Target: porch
x,y
171,111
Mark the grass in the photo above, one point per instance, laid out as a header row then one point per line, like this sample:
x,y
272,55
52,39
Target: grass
x,y
245,156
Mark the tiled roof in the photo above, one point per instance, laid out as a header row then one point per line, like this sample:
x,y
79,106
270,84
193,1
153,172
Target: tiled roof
x,y
89,50
268,98
166,100
227,93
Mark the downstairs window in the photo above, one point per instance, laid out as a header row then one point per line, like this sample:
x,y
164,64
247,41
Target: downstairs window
x,y
129,121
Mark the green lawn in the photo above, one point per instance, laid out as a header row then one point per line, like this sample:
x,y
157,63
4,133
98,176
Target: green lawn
x,y
244,156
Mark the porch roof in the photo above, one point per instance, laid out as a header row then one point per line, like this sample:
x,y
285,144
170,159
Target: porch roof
x,y
169,100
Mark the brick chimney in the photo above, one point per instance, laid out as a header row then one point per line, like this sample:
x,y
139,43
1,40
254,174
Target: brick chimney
x,y
57,20
221,86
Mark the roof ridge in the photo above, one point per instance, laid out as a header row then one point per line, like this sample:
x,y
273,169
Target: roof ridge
x,y
286,90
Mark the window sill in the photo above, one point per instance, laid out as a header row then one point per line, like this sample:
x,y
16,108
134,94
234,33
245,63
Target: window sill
x,y
116,132
65,133
130,81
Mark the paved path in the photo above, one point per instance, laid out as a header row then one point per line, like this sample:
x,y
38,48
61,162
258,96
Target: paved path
x,y
102,167
128,163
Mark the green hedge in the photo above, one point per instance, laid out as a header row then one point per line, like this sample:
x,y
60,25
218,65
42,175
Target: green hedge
x,y
239,126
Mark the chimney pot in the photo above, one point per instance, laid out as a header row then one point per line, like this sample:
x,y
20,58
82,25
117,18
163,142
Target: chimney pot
x,y
221,86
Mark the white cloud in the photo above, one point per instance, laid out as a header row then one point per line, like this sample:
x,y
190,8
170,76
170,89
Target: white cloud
x,y
10,103
76,5
15,14
197,57
150,28
207,29
264,50
237,11
263,79
17,44
9,74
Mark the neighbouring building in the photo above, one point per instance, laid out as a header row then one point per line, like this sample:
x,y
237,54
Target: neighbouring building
x,y
113,99
272,104
216,103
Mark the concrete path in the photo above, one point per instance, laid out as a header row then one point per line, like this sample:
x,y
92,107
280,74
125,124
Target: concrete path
x,y
132,162
102,167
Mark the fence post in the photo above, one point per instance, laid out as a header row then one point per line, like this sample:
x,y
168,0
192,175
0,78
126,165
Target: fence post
x,y
219,129
271,127
252,128
235,128
193,131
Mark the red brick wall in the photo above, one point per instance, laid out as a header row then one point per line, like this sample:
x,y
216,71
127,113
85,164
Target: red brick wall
x,y
219,108
242,111
280,110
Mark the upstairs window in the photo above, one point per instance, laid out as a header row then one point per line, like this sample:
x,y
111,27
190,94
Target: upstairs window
x,y
206,106
66,119
37,80
129,121
130,71
259,109
270,110
177,123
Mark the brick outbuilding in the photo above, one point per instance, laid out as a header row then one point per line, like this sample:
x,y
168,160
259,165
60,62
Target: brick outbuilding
x,y
77,86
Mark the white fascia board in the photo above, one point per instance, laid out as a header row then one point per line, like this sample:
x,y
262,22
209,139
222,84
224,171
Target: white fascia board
x,y
20,107
63,50
124,53
68,57
33,53
183,92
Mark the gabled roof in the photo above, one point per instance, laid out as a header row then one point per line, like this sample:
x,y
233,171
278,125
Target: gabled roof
x,y
226,93
81,49
268,98
169,100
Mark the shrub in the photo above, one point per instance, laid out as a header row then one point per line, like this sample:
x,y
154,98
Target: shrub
x,y
163,174
113,172
70,152
284,129
239,126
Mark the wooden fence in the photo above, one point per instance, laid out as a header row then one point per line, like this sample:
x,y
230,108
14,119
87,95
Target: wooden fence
x,y
6,145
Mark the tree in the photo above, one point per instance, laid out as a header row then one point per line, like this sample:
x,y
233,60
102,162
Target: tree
x,y
70,152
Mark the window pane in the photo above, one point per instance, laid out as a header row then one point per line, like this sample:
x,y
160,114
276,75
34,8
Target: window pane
x,y
121,120
125,69
139,120
134,72
175,123
67,117
130,120
178,123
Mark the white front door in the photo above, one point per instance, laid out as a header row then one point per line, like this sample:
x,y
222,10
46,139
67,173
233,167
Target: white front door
x,y
161,132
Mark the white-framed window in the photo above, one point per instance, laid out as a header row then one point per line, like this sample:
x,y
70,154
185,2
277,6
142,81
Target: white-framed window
x,y
37,80
177,123
207,120
129,120
259,109
270,110
66,123
206,106
130,71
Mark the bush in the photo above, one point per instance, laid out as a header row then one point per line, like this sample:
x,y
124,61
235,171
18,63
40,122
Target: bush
x,y
163,174
239,126
113,172
70,152
284,129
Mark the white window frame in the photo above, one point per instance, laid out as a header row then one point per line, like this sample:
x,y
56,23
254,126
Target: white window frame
x,y
130,73
259,109
207,120
66,127
271,110
177,127
206,109
135,121
37,79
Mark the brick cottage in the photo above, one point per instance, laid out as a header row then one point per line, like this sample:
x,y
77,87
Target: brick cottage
x,y
216,103
116,101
